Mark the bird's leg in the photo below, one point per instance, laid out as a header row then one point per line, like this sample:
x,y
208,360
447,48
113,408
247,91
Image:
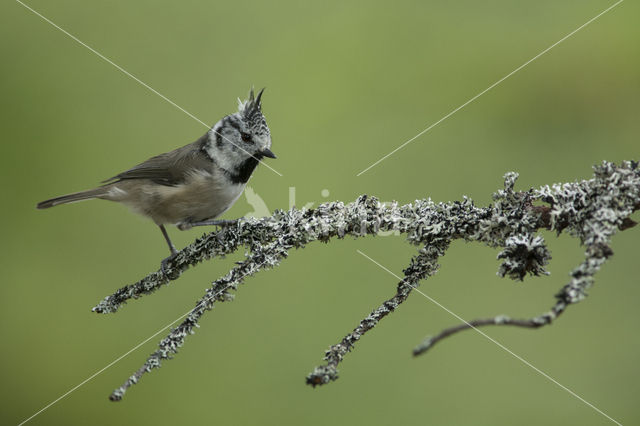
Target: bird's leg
x,y
166,237
174,252
187,225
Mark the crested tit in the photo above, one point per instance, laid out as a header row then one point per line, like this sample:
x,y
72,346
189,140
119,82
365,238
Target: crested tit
x,y
194,184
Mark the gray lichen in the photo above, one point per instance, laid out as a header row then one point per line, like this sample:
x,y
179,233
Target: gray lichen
x,y
524,253
591,210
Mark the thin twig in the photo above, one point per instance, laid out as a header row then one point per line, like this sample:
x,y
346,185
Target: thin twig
x,y
429,342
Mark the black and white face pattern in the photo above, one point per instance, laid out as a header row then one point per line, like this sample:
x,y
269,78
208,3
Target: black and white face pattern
x,y
237,142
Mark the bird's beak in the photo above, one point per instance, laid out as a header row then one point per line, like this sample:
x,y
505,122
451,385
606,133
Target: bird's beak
x,y
267,153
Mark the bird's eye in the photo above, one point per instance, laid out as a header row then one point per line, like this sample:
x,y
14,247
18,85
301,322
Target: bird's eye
x,y
246,137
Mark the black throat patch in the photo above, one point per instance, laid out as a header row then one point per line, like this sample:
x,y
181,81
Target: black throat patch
x,y
244,171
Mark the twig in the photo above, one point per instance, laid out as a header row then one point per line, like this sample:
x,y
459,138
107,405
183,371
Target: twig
x,y
421,266
429,342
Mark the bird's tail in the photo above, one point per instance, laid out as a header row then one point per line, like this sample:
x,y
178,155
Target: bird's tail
x,y
72,198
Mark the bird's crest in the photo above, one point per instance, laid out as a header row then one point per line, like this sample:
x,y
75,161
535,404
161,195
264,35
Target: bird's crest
x,y
252,106
251,111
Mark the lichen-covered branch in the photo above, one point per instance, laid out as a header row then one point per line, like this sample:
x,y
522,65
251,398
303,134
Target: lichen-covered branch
x,y
251,233
422,265
591,210
218,292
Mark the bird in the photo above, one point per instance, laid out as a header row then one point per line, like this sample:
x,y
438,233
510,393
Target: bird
x,y
194,184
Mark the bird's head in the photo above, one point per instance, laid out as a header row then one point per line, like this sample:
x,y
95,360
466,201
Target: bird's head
x,y
241,137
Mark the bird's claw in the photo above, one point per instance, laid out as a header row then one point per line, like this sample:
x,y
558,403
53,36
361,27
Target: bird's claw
x,y
165,266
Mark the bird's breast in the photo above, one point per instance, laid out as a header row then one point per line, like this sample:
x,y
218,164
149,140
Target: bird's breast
x,y
203,195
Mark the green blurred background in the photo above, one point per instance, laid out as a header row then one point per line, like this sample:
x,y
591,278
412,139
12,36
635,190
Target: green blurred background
x,y
347,82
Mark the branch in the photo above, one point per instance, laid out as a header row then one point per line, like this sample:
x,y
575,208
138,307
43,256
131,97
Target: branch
x,y
429,342
421,266
251,233
591,210
170,344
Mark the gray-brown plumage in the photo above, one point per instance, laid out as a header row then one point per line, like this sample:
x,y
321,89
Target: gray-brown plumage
x,y
194,184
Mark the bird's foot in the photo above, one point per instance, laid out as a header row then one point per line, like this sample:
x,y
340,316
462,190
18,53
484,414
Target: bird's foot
x,y
183,226
222,223
167,269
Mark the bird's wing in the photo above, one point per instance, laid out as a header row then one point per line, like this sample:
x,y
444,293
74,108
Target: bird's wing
x,y
170,168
